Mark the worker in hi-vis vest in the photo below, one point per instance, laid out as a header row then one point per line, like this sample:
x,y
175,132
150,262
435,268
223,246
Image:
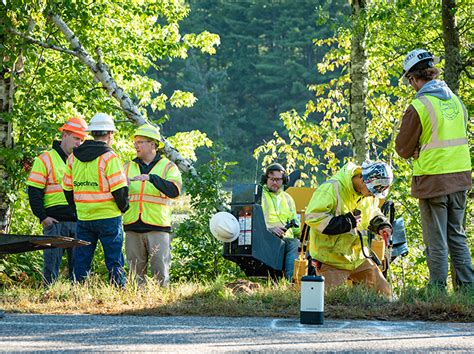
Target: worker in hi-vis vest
x,y
96,186
433,132
280,214
46,196
154,182
340,212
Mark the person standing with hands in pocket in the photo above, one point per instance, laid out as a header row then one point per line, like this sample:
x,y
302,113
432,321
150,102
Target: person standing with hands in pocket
x,y
95,184
46,196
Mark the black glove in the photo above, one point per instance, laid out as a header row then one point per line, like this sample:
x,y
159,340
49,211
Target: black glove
x,y
340,224
378,223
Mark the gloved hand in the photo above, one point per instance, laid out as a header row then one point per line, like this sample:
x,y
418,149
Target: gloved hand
x,y
48,221
378,223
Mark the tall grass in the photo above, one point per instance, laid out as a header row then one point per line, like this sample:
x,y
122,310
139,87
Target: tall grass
x,y
220,298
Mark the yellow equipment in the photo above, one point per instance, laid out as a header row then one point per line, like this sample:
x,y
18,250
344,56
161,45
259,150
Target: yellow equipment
x,y
301,196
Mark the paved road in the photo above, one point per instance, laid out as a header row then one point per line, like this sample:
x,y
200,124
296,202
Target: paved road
x,y
74,333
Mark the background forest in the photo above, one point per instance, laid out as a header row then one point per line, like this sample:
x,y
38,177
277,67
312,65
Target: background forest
x,y
233,85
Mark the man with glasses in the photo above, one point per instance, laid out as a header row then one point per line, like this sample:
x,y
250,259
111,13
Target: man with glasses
x,y
279,211
433,132
154,182
339,212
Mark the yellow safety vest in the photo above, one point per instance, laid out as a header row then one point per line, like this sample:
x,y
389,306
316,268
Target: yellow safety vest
x,y
443,142
93,183
278,209
147,203
46,173
334,198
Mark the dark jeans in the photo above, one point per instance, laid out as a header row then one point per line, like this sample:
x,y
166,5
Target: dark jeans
x,y
52,257
110,233
291,253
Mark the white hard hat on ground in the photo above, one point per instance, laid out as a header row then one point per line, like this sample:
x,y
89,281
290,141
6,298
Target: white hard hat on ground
x,y
101,122
224,226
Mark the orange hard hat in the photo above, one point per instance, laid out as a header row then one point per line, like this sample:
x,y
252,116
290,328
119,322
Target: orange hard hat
x,y
75,125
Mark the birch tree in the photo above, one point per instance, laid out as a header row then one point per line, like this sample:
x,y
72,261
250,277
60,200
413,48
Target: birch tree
x,y
80,58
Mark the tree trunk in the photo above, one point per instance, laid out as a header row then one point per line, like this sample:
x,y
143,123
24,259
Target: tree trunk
x,y
359,82
7,88
453,62
102,75
12,65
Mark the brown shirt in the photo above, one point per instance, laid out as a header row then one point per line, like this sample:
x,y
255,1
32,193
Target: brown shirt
x,y
428,186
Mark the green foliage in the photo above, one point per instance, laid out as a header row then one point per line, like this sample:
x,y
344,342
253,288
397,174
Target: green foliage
x,y
196,253
262,67
318,141
53,86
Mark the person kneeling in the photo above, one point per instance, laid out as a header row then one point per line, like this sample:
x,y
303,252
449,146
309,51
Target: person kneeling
x,y
338,211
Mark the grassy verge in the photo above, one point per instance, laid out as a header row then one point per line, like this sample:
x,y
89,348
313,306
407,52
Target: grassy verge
x,y
242,298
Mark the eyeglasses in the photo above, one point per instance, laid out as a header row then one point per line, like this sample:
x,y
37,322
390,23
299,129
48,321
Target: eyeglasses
x,y
141,142
275,179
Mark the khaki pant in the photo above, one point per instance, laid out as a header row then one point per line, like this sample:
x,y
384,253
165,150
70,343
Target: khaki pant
x,y
367,273
153,246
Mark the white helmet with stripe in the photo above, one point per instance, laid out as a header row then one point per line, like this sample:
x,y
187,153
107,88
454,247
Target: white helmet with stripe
x,y
418,59
101,122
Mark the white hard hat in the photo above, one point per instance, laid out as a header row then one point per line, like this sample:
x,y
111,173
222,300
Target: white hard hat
x,y
224,226
416,57
101,122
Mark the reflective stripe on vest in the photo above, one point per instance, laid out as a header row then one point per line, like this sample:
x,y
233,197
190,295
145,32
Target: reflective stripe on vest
x,y
327,216
285,212
266,208
336,197
147,203
435,142
443,141
50,183
92,187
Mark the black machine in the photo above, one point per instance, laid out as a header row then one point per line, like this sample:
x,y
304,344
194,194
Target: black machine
x,y
257,251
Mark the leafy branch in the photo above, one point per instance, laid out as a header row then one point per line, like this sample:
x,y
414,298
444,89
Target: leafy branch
x,y
102,74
